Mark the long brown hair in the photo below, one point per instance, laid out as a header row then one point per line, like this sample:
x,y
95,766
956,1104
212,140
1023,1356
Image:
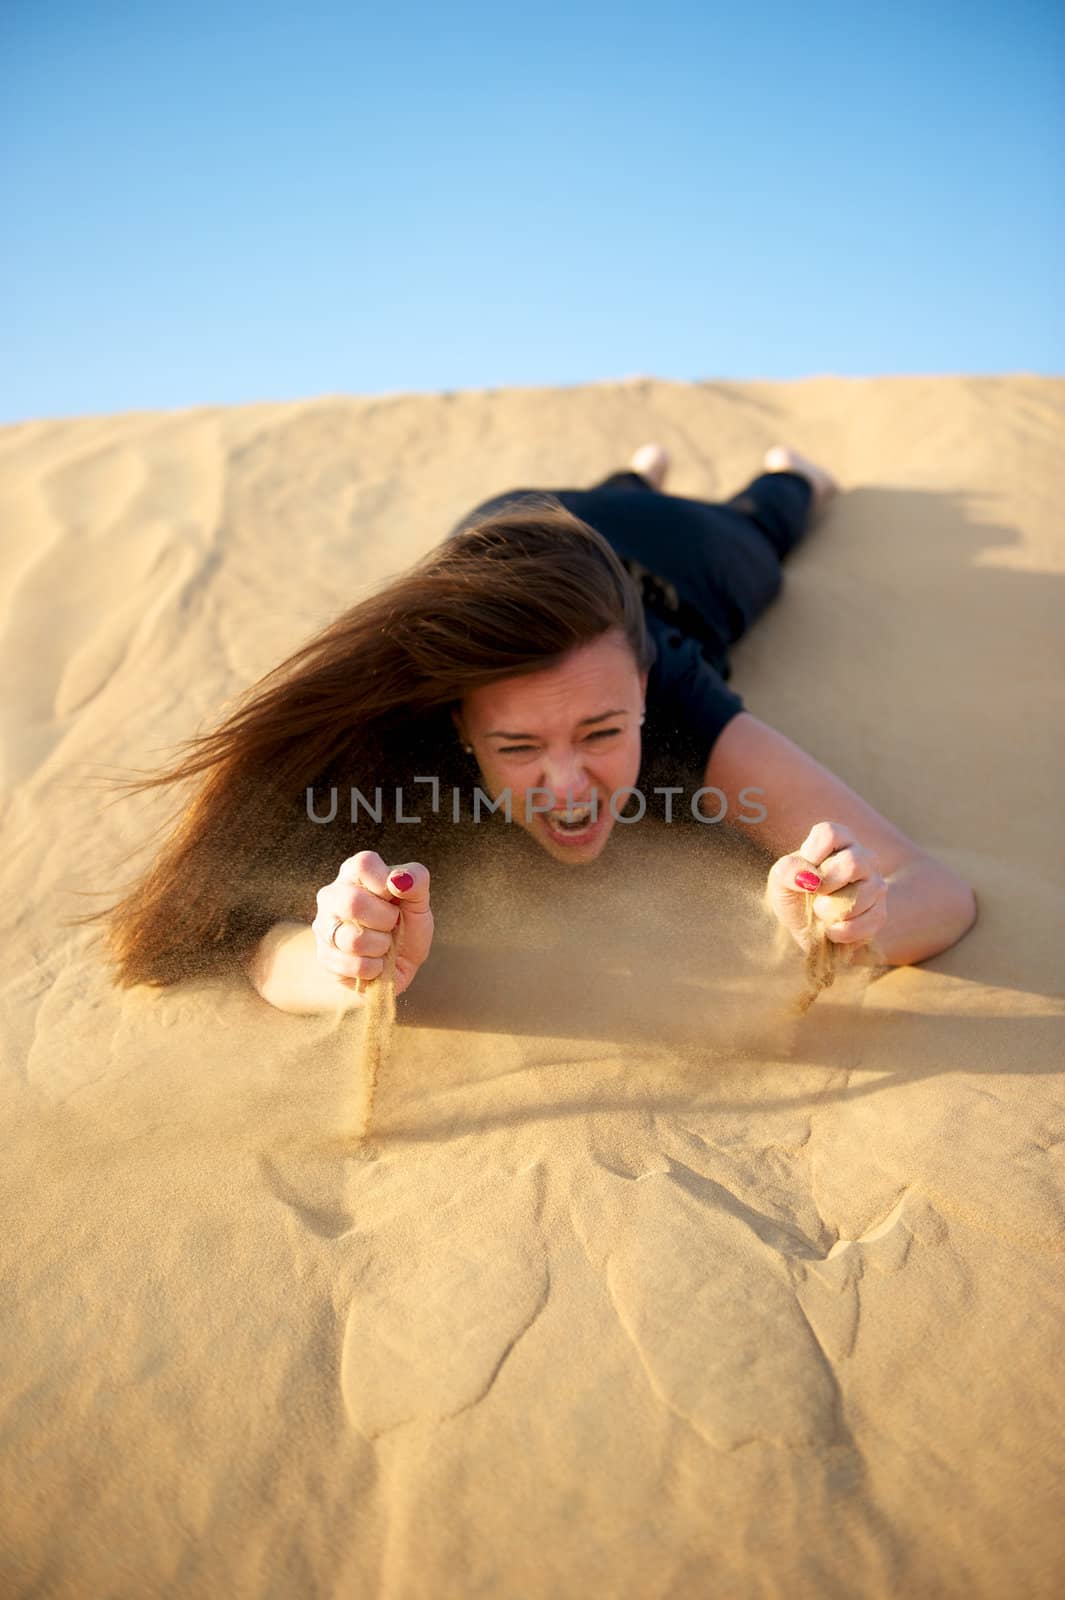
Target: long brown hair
x,y
510,592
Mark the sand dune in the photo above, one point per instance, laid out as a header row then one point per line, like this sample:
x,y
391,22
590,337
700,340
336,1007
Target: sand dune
x,y
645,1288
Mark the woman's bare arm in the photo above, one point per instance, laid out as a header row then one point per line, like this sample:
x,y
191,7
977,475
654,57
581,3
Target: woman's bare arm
x,y
284,968
928,906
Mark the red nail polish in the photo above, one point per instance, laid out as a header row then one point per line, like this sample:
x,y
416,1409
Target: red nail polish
x,y
401,882
807,880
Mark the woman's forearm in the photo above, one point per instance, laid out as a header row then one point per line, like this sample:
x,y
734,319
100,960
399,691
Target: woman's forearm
x,y
928,909
284,969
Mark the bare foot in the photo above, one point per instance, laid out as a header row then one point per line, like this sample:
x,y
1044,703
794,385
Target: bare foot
x,y
651,461
781,458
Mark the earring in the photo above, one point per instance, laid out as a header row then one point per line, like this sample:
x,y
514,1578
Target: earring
x,y
643,719
468,749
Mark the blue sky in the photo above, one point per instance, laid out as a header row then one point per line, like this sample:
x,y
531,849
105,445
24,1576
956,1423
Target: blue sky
x,y
221,203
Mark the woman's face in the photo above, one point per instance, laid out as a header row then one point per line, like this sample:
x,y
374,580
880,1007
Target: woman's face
x,y
567,736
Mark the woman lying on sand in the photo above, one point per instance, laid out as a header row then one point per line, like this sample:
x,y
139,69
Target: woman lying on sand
x,y
563,652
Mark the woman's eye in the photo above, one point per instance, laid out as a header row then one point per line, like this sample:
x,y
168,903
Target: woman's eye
x,y
527,749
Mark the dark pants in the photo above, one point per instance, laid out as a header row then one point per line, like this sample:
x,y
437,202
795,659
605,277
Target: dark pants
x,y
722,559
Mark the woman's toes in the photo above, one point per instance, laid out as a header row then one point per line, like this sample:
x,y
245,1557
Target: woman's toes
x,y
651,461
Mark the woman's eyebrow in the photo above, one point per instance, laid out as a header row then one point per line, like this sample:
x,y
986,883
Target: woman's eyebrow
x,y
600,716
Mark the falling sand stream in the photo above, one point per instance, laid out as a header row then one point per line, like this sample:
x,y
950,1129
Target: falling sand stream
x,y
375,1037
824,958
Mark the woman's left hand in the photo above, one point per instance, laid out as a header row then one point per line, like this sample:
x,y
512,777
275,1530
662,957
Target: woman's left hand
x,y
832,854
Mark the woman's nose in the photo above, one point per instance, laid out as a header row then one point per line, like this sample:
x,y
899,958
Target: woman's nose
x,y
565,771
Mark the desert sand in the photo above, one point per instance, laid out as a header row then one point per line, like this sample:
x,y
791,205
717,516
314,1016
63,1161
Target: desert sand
x,y
645,1287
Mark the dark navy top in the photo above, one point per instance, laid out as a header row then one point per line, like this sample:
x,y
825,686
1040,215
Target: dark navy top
x,y
688,704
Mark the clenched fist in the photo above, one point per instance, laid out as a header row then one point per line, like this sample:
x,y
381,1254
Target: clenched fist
x,y
365,908
828,859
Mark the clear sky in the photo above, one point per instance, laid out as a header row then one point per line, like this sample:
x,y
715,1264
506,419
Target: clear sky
x,y
247,201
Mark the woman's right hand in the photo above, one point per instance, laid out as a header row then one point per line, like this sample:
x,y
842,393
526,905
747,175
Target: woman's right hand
x,y
374,903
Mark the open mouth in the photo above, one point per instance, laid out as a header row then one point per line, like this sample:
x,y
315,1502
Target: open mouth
x,y
572,824
575,820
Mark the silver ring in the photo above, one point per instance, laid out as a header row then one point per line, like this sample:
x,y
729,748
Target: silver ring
x,y
338,922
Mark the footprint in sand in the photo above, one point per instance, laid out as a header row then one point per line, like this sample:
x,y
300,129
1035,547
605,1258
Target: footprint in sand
x,y
442,1296
444,1301
740,1317
711,1309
